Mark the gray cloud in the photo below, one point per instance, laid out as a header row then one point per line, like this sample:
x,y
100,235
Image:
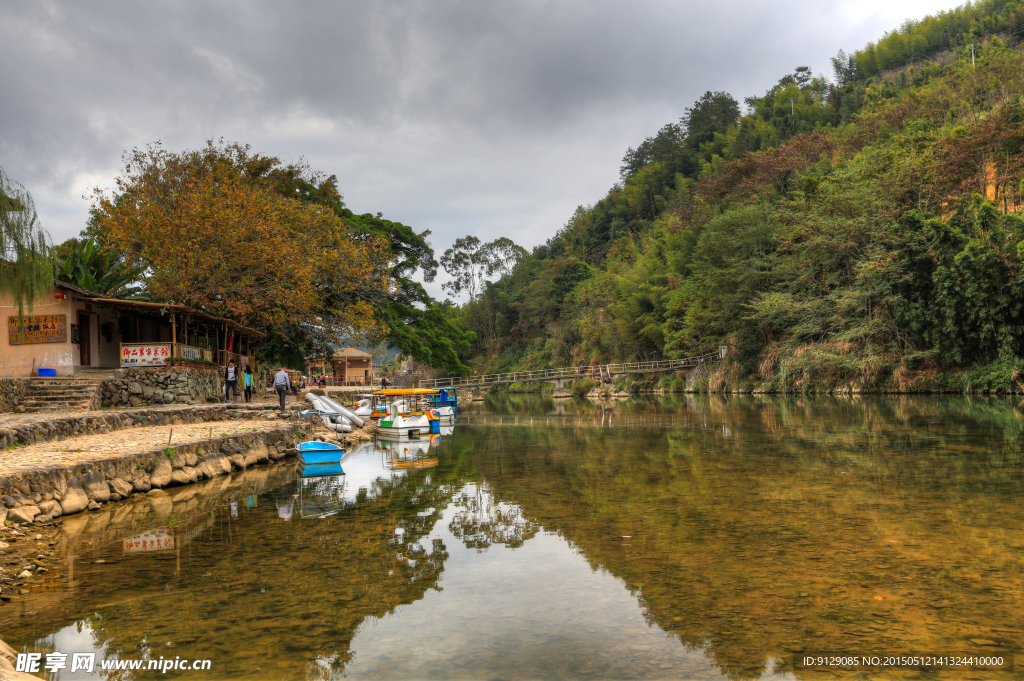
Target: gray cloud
x,y
458,116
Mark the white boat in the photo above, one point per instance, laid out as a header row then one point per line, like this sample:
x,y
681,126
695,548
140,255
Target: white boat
x,y
396,424
408,400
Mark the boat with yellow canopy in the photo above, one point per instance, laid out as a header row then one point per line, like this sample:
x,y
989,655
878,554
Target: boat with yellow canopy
x,y
410,402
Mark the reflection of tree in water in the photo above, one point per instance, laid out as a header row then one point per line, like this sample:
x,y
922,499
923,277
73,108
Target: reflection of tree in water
x,y
283,597
482,520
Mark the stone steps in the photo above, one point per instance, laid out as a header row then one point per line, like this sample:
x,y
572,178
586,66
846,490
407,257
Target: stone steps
x,y
61,394
70,390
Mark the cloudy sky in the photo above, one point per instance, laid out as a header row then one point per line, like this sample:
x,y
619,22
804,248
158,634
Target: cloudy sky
x,y
461,117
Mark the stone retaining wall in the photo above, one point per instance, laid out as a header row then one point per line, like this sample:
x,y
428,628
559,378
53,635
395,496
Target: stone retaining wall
x,y
45,430
40,496
162,385
12,390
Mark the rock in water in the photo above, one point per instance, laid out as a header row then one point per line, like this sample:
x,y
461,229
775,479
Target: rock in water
x,y
96,487
23,515
93,506
121,487
75,499
50,508
161,475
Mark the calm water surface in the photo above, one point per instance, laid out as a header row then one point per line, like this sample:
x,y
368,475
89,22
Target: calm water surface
x,y
701,538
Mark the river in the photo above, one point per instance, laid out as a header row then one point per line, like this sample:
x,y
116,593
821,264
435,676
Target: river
x,y
679,538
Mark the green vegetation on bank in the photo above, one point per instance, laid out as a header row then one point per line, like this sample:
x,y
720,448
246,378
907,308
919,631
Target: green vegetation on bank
x,y
855,234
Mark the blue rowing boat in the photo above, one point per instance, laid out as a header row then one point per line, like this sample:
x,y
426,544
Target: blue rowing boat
x,y
319,470
319,452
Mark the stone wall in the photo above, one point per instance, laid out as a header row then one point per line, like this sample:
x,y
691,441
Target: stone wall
x,y
12,390
42,495
169,385
51,427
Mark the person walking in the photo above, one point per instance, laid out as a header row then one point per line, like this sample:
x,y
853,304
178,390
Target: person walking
x,y
230,381
282,385
383,382
248,384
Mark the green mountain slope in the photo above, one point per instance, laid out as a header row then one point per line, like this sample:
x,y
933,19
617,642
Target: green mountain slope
x,y
853,235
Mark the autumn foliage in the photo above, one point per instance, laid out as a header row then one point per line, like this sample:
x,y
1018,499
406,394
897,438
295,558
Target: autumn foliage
x,y
215,235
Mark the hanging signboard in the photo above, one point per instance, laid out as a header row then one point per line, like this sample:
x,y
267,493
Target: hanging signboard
x,y
145,354
189,352
48,328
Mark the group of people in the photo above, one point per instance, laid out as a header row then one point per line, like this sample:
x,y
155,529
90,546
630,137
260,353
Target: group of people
x,y
232,376
282,384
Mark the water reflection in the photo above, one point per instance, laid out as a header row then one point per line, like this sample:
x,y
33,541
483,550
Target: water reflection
x,y
688,538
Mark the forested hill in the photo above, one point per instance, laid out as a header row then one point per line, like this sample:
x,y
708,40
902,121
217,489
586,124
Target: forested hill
x,y
857,231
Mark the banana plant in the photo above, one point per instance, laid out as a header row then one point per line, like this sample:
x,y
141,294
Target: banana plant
x,y
90,267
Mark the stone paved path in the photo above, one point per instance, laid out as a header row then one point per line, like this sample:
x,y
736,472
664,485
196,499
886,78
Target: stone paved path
x,y
11,419
92,448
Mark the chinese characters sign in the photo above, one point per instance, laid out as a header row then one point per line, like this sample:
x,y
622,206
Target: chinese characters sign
x,y
48,328
189,352
144,354
153,540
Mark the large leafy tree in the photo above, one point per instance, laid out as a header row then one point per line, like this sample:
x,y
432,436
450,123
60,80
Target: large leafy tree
x,y
466,263
393,308
713,113
470,263
409,319
26,271
211,236
406,316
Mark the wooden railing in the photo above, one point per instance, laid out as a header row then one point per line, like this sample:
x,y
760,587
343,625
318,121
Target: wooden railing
x,y
598,371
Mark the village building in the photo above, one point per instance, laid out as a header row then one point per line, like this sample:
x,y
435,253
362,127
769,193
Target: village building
x,y
75,330
347,366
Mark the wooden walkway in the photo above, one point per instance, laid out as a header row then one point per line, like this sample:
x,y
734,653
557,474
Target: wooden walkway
x,y
597,372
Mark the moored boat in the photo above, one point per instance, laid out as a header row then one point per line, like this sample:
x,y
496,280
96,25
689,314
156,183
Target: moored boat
x,y
395,423
411,402
315,452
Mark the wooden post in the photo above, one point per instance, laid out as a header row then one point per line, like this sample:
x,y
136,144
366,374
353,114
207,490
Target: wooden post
x,y
174,330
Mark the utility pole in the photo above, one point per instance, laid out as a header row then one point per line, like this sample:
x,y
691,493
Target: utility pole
x,y
792,106
972,54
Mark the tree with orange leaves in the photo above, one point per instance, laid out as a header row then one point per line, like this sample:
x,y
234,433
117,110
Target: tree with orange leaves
x,y
214,234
